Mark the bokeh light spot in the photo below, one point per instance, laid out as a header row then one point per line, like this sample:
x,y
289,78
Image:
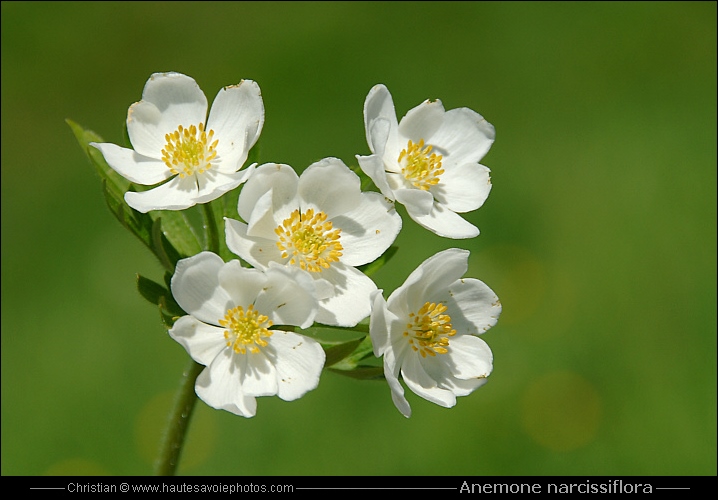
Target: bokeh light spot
x,y
561,411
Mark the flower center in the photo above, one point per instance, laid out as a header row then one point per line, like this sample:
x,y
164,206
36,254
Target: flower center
x,y
420,166
310,240
245,329
189,150
430,329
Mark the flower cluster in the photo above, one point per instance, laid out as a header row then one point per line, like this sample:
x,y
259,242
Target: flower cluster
x,y
302,246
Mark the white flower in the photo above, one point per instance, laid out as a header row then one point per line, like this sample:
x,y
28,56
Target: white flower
x,y
227,329
429,162
426,331
320,222
172,136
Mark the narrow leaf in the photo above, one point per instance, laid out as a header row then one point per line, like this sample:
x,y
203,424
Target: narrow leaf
x,y
137,223
178,231
333,335
339,352
158,295
150,290
362,351
362,373
116,184
168,319
161,246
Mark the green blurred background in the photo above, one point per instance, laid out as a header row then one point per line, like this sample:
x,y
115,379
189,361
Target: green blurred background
x,y
599,235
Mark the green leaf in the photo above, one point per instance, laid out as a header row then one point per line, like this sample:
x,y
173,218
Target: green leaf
x,y
116,184
178,231
150,290
157,294
137,223
339,352
333,335
114,187
354,359
362,372
360,363
162,247
168,319
168,280
362,351
373,267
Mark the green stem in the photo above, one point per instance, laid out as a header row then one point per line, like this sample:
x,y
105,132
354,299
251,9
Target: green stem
x,y
176,432
210,225
360,328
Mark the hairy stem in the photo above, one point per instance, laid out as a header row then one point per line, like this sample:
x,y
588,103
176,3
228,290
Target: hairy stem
x,y
179,418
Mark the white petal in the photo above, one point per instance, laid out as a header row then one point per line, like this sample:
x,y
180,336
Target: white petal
x,y
473,306
298,363
259,376
132,165
178,98
417,201
352,301
202,341
471,357
464,137
219,385
423,385
373,166
176,194
368,230
380,106
241,284
213,184
391,373
168,101
463,187
322,288
430,278
329,186
257,251
261,223
462,387
439,369
380,130
446,223
379,323
195,287
237,118
180,193
422,122
146,129
286,297
281,179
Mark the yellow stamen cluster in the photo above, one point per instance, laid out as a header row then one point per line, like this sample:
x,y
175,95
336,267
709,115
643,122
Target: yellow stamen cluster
x,y
420,166
245,329
310,240
430,329
189,150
